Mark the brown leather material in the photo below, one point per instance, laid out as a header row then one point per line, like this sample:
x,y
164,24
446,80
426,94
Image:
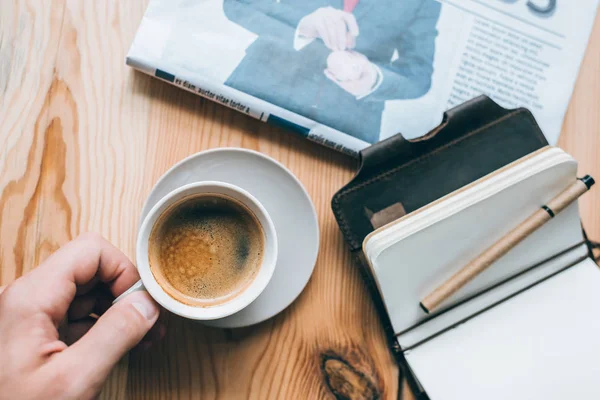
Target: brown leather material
x,y
397,176
474,139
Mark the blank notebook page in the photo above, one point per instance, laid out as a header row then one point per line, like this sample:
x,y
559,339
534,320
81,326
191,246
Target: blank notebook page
x,y
407,270
541,344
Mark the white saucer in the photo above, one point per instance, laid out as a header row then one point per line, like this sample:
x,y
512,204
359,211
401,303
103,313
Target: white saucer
x,y
286,201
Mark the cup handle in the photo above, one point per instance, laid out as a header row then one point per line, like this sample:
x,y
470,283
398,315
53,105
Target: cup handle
x,y
138,286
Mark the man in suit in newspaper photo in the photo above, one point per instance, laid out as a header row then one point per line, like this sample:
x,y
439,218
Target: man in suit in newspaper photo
x,y
336,62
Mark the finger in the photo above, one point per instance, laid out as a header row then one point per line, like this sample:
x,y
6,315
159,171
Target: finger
x,y
92,357
332,33
81,307
86,287
76,330
330,76
324,34
96,302
350,40
352,87
154,336
340,34
351,24
55,281
359,58
90,256
348,86
103,303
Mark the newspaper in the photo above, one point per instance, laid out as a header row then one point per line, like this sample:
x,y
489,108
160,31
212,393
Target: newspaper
x,y
349,73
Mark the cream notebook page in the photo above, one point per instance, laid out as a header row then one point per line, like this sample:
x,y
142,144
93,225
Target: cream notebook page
x,y
541,344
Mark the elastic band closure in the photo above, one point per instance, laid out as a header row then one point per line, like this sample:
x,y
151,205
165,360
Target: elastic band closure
x,y
549,211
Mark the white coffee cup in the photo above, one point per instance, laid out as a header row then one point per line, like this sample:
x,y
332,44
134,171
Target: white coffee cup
x,y
219,309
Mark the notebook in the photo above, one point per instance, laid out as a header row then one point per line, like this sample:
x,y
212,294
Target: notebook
x,y
522,329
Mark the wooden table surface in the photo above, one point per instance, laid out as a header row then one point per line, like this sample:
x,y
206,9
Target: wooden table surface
x,y
82,140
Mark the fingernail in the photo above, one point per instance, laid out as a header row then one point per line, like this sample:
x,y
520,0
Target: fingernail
x,y
146,307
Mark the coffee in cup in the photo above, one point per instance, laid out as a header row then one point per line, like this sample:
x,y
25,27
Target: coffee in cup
x,y
206,249
183,218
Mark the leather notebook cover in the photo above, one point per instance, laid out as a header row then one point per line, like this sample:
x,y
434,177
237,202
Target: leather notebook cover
x,y
398,176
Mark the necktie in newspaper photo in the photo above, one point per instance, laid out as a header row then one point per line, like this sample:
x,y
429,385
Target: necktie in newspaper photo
x,y
349,5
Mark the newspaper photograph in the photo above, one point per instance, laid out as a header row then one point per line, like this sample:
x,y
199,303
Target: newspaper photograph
x,y
349,73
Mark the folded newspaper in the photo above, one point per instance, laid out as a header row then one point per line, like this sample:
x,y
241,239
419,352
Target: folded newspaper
x,y
348,73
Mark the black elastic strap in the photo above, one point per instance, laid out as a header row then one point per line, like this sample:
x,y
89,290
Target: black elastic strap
x,y
549,211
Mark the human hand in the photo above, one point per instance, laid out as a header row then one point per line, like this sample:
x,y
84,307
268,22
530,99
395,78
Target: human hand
x,y
351,71
36,363
338,29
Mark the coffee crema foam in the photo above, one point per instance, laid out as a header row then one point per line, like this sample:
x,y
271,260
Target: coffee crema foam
x,y
206,249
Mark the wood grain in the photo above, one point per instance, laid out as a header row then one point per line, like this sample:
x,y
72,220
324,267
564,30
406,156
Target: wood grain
x,y
82,140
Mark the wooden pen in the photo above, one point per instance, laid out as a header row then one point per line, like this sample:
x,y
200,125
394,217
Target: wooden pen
x,y
506,243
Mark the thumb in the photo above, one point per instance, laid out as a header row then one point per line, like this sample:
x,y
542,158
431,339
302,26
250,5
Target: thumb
x,y
351,24
117,331
330,75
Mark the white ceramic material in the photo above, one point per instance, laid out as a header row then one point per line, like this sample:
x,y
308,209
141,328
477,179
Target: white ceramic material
x,y
286,202
224,308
